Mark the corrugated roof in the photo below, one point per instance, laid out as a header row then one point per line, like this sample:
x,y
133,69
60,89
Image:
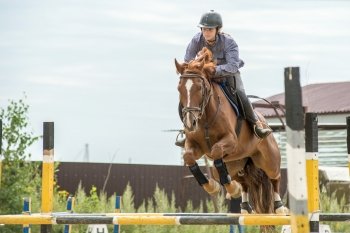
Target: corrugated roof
x,y
320,98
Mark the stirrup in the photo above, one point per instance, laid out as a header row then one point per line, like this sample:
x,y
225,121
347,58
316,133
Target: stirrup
x,y
261,133
180,141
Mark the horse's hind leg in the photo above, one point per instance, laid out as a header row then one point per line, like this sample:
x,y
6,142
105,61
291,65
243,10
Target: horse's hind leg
x,y
269,161
246,208
278,204
273,172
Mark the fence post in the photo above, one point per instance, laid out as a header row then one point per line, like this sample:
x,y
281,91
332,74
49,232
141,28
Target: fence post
x,y
295,149
311,149
26,210
47,173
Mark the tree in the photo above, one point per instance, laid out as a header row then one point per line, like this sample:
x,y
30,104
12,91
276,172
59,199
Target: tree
x,y
20,177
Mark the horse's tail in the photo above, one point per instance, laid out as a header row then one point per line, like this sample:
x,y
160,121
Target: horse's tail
x,y
260,189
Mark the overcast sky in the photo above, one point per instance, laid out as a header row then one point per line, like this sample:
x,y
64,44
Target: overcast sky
x,y
104,72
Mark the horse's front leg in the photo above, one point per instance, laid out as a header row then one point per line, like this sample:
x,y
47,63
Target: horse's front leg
x,y
191,154
218,151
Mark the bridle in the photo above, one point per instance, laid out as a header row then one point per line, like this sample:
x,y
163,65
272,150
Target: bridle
x,y
206,94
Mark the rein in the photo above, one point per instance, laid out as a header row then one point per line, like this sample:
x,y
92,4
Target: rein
x,y
206,95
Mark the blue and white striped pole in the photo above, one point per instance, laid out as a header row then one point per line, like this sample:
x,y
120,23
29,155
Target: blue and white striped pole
x,y
117,210
26,211
70,203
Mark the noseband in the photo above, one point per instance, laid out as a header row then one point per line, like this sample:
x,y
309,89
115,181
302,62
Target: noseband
x,y
206,93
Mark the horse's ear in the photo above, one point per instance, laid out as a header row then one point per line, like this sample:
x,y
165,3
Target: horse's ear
x,y
179,67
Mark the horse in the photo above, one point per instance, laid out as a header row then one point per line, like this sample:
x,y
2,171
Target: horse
x,y
245,165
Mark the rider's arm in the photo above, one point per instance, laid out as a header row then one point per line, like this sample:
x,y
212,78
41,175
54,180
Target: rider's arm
x,y
192,48
233,63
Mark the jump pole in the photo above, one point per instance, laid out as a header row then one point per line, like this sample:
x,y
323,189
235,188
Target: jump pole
x,y
295,149
47,173
147,219
311,149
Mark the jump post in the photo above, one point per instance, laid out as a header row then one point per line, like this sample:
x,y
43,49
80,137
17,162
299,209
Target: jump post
x,y
295,151
47,173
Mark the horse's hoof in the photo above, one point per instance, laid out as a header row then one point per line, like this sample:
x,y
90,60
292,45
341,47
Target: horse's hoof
x,y
246,208
279,208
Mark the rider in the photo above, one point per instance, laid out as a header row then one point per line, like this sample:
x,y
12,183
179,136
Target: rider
x,y
225,52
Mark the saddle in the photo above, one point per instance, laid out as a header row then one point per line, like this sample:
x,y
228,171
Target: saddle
x,y
232,97
236,103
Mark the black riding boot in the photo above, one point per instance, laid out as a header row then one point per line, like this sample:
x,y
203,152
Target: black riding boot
x,y
259,131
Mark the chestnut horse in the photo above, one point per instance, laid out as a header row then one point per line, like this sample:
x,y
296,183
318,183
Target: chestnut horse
x,y
243,163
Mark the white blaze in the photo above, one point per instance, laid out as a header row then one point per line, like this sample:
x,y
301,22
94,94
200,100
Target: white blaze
x,y
188,85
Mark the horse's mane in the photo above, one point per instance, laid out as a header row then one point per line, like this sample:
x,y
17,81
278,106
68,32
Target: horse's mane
x,y
203,63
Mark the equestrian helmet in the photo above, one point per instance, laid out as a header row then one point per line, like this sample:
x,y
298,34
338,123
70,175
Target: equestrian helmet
x,y
210,19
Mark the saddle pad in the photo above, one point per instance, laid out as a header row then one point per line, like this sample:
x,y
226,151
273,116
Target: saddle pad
x,y
232,102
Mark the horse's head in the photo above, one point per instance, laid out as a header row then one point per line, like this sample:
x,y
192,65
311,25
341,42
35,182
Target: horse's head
x,y
194,87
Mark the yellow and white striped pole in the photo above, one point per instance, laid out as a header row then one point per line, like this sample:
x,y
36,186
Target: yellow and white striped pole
x,y
146,219
161,218
47,173
295,149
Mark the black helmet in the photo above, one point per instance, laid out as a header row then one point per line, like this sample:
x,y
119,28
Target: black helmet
x,y
210,19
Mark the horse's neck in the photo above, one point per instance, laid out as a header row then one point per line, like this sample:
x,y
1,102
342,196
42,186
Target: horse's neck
x,y
211,111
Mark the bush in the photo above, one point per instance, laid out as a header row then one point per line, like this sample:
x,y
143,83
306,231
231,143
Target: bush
x,y
19,178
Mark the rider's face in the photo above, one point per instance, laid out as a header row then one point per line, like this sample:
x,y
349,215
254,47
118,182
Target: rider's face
x,y
209,33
